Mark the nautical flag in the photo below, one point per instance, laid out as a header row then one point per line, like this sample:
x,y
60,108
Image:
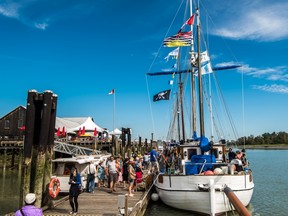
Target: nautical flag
x,y
178,40
112,92
190,21
206,68
204,57
164,95
174,54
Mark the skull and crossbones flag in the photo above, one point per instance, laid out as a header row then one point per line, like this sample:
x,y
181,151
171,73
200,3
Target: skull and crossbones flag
x,y
164,95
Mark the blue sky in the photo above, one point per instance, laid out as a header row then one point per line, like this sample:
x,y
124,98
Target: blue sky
x,y
82,49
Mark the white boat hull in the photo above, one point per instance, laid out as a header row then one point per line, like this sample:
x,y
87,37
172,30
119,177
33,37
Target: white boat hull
x,y
188,193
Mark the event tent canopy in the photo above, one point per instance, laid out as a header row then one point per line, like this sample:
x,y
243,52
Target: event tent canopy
x,y
72,125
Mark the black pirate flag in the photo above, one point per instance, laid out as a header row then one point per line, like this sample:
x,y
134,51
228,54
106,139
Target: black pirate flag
x,y
164,95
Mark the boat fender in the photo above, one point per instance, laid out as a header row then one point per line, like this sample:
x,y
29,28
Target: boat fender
x,y
155,197
208,172
218,171
54,187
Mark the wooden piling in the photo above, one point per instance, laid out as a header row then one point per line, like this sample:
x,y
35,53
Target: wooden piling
x,y
46,199
28,143
42,146
38,144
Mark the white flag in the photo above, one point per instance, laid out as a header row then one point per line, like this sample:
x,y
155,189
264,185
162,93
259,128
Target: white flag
x,y
206,68
173,54
203,57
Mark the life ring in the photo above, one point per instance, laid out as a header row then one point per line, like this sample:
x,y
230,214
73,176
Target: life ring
x,y
54,187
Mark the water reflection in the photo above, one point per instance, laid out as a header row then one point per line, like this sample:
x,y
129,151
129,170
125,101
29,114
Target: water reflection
x,y
10,180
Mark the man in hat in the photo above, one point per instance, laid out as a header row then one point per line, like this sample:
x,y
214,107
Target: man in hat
x,y
29,208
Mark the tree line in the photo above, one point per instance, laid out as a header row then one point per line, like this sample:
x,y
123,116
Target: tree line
x,y
265,139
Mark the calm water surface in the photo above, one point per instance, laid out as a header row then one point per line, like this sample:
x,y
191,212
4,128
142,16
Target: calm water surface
x,y
270,172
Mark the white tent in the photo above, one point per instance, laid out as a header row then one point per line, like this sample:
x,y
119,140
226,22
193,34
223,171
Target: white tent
x,y
72,125
116,131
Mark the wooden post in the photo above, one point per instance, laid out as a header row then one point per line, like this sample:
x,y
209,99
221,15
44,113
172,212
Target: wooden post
x,y
140,146
38,144
5,158
28,143
46,200
43,141
95,143
129,138
123,137
113,145
13,157
117,145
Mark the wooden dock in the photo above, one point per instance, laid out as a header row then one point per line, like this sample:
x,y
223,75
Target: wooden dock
x,y
103,203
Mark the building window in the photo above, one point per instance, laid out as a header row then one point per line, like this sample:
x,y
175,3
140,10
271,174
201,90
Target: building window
x,y
20,123
21,114
7,124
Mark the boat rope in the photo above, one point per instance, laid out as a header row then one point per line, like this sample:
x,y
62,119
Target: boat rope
x,y
147,192
151,65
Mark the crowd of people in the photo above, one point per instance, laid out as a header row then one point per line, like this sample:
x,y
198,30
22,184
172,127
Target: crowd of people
x,y
122,172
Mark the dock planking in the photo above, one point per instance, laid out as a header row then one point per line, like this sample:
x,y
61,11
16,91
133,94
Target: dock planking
x,y
99,203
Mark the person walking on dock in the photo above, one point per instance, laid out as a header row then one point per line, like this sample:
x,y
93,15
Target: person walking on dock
x,y
125,172
101,174
154,166
112,172
90,170
131,176
75,184
29,208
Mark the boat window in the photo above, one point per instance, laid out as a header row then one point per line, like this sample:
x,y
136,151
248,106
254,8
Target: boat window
x,y
215,152
68,167
191,152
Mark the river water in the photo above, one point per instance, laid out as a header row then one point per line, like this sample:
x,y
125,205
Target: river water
x,y
270,172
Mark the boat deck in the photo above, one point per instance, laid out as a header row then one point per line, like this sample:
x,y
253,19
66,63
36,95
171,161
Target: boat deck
x,y
102,203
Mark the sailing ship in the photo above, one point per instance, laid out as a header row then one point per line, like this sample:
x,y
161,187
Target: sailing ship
x,y
203,172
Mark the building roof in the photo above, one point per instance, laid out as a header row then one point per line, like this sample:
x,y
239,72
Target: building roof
x,y
19,107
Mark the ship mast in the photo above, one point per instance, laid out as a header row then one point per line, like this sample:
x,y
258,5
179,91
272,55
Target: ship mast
x,y
201,111
181,101
193,90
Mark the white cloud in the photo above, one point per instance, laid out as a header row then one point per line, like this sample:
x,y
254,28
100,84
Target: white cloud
x,y
259,22
274,88
41,26
9,10
39,14
279,73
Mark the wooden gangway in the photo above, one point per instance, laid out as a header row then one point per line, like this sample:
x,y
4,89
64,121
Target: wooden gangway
x,y
103,203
